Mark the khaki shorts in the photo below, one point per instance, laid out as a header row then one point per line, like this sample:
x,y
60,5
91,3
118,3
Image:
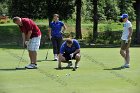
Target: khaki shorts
x,y
34,44
124,45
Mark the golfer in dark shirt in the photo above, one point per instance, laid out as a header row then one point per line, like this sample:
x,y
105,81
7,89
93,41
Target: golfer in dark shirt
x,y
69,50
56,28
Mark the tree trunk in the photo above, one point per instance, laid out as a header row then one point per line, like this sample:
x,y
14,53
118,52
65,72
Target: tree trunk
x,y
49,11
78,19
138,21
95,20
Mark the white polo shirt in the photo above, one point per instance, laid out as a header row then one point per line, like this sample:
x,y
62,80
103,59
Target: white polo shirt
x,y
126,27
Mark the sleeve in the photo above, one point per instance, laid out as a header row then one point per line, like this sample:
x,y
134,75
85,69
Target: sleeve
x,y
62,24
77,44
129,25
62,48
28,25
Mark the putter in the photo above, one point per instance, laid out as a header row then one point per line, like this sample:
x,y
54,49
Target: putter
x,y
48,51
19,68
74,69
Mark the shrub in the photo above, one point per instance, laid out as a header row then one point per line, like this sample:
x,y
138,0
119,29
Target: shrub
x,y
88,37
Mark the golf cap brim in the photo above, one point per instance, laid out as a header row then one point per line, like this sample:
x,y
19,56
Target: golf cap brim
x,y
124,16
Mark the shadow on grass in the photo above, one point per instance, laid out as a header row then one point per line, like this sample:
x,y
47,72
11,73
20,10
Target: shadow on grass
x,y
8,69
12,69
62,68
44,60
117,68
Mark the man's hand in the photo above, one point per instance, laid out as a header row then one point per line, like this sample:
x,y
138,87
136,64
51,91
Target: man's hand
x,y
25,44
62,31
71,55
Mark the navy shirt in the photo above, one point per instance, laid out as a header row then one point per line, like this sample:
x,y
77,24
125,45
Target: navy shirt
x,y
56,28
68,50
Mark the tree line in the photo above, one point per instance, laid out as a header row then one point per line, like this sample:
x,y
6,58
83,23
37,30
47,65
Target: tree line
x,y
92,10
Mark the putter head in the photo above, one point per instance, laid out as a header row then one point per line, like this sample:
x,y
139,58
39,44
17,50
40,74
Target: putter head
x,y
74,69
46,58
19,68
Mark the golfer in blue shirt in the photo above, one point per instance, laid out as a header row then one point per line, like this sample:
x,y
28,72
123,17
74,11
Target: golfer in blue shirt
x,y
69,50
56,28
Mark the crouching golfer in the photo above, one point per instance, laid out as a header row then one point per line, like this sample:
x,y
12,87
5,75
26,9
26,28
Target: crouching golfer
x,y
69,50
31,38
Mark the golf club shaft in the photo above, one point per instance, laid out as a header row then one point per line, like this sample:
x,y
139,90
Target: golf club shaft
x,y
48,50
21,58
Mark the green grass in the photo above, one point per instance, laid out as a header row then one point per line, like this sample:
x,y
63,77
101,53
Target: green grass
x,y
86,26
91,77
10,31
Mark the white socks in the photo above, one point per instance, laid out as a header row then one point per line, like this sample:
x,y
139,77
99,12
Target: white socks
x,y
56,56
126,63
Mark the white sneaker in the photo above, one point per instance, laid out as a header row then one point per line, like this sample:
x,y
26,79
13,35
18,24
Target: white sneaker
x,y
126,66
77,66
55,57
69,65
31,66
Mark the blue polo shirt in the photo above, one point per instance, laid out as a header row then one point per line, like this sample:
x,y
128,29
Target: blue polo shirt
x,y
68,50
56,28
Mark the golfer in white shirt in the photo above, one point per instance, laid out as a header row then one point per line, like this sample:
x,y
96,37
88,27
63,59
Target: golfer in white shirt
x,y
126,40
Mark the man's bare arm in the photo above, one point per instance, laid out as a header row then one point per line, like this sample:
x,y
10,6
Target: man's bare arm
x,y
77,51
49,33
64,27
130,32
28,35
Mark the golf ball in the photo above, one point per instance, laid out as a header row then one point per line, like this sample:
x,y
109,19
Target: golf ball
x,y
57,75
66,74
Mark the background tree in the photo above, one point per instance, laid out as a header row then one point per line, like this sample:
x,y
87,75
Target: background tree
x,y
4,6
64,8
137,21
78,19
87,10
101,12
126,6
90,10
111,10
38,9
95,19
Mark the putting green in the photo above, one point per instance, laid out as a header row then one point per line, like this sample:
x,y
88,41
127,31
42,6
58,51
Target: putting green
x,y
98,73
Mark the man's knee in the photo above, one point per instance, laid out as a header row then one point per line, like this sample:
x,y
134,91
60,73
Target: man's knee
x,y
61,58
122,51
78,56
